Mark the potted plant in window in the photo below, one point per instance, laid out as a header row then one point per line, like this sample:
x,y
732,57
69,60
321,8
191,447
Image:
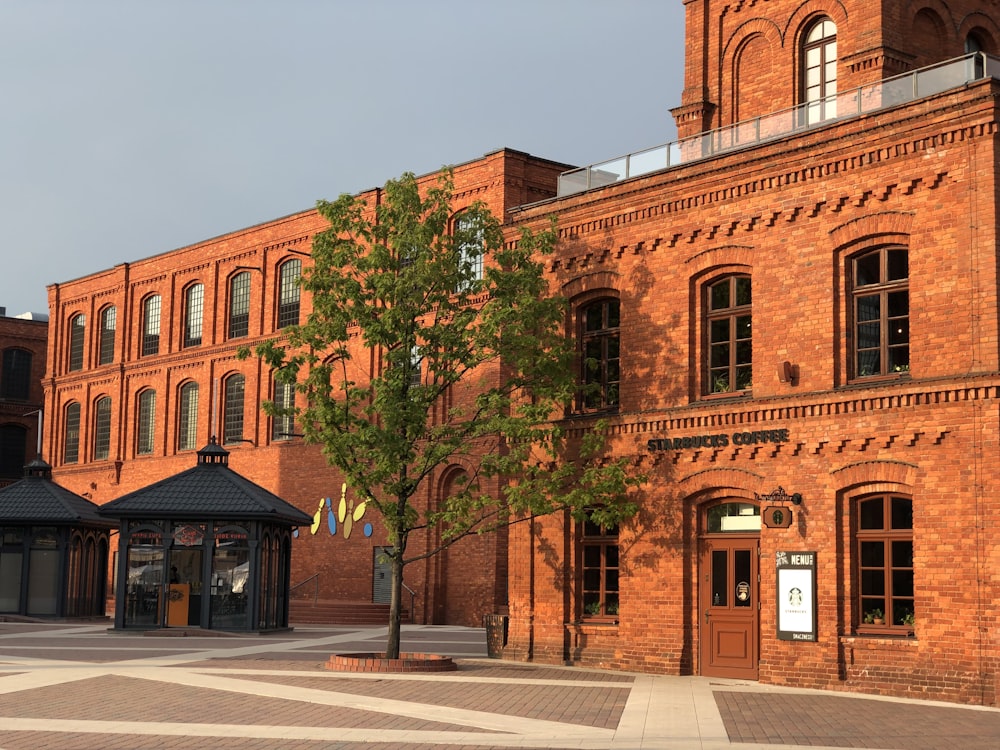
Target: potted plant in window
x,y
874,617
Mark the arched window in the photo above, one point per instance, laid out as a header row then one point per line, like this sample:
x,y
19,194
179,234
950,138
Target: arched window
x,y
884,553
151,326
71,435
77,331
15,382
187,418
145,423
284,399
289,293
232,421
881,309
109,323
819,71
194,301
102,429
599,345
729,327
469,243
239,305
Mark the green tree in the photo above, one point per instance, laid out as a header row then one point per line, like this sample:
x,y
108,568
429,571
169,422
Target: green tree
x,y
404,311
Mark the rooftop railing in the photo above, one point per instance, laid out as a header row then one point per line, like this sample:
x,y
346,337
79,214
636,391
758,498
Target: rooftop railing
x,y
871,97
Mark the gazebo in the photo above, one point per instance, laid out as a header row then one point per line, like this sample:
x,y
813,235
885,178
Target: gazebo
x,y
205,548
53,549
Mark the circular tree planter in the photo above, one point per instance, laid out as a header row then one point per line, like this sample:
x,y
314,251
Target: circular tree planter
x,y
377,662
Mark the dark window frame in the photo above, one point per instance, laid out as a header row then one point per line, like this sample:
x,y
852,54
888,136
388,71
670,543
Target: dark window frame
x,y
883,560
818,88
233,414
289,293
599,582
239,305
109,327
890,323
15,384
194,314
77,338
102,428
145,433
151,319
71,433
283,425
188,396
599,351
728,335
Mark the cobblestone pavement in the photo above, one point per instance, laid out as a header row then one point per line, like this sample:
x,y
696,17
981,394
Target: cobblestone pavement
x,y
80,687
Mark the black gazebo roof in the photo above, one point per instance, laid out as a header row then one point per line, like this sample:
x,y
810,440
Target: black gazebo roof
x,y
37,500
208,490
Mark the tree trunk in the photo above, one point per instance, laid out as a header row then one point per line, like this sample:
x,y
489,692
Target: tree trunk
x,y
395,604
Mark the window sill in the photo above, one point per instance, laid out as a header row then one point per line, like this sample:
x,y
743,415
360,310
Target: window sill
x,y
889,378
887,632
748,393
601,621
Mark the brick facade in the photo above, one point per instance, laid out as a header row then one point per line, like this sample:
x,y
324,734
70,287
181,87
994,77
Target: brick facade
x,y
22,366
814,434
793,215
457,587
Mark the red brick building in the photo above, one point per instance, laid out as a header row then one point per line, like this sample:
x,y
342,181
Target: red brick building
x,y
795,330
143,372
22,365
791,321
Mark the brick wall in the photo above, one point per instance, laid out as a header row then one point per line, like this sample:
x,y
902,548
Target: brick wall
x,y
457,587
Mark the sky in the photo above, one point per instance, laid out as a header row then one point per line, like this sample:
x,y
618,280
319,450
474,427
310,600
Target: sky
x,y
128,129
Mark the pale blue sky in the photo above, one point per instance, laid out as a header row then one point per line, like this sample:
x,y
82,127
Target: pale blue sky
x,y
129,128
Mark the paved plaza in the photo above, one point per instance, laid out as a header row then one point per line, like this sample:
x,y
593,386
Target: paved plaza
x,y
78,686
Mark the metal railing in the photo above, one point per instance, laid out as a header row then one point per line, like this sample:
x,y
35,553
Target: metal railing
x,y
871,97
315,579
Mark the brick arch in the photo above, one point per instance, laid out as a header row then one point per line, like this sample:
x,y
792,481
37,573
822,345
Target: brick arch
x,y
886,227
803,16
877,476
592,282
936,8
984,25
761,39
714,484
724,255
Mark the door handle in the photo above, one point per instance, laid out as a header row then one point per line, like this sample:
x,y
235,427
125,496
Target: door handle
x,y
706,616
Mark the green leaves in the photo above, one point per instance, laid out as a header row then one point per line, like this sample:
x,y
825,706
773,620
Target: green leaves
x,y
434,348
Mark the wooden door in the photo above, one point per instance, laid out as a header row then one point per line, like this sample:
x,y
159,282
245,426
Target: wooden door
x,y
729,606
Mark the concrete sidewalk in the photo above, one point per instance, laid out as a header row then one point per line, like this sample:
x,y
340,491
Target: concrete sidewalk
x,y
79,687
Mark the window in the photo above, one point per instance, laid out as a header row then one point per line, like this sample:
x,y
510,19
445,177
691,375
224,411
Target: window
x,y
194,302
77,329
187,418
884,549
151,326
71,443
881,306
145,423
284,398
16,382
600,343
102,429
109,322
416,365
599,592
13,446
232,430
469,239
239,305
819,74
289,293
729,326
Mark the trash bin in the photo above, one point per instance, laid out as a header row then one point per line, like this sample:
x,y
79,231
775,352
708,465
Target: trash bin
x,y
496,634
